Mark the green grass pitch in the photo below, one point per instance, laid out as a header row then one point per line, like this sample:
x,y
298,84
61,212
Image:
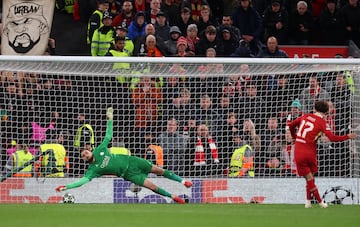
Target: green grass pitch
x,y
174,215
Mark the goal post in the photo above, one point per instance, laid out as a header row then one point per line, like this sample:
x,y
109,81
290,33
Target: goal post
x,y
218,121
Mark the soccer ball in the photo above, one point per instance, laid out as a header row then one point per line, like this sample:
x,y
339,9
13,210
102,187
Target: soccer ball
x,y
68,198
338,195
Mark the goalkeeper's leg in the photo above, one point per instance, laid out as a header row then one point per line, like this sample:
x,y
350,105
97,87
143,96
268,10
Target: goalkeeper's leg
x,y
170,175
150,185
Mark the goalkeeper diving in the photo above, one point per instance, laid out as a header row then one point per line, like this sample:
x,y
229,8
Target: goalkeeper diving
x,y
131,168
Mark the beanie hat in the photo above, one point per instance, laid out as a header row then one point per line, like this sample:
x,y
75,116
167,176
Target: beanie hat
x,y
296,103
181,40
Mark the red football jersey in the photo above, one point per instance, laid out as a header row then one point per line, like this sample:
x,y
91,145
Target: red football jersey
x,y
307,129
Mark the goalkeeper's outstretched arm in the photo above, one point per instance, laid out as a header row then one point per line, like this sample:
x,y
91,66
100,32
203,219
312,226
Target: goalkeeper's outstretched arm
x,y
76,184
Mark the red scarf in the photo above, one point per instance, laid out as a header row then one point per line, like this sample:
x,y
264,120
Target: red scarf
x,y
195,9
200,157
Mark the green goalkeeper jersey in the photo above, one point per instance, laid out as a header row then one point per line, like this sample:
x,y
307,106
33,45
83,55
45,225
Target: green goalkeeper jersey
x,y
105,163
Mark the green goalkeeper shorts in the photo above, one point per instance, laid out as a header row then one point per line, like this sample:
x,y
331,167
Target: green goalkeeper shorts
x,y
138,170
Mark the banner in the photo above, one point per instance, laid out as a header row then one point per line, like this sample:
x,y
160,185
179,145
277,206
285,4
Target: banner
x,y
26,26
315,51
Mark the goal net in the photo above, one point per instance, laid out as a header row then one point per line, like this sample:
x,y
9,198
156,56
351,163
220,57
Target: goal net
x,y
219,122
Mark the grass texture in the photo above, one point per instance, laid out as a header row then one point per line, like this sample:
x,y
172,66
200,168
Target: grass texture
x,y
175,215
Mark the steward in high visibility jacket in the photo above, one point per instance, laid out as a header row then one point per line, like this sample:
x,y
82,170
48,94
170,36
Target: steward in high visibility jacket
x,y
96,19
242,162
53,161
103,37
18,159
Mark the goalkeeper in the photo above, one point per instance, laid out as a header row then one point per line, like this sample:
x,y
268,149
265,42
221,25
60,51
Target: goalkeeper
x,y
131,168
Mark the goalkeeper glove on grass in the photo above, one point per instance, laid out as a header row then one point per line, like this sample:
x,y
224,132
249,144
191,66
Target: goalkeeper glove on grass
x,y
60,188
109,113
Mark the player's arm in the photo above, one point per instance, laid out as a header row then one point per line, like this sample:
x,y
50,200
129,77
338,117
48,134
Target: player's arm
x,y
292,127
336,138
109,127
76,184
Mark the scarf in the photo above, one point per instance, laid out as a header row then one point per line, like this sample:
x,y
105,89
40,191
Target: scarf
x,y
195,9
200,156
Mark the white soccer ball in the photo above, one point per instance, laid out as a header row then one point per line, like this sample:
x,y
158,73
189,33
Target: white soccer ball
x,y
338,195
68,198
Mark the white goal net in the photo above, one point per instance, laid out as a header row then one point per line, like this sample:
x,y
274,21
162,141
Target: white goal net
x,y
193,116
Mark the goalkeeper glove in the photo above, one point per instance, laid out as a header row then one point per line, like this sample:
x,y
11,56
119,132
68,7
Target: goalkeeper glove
x,y
61,188
109,113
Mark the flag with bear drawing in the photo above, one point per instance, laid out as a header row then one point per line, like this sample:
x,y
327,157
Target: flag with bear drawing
x,y
26,26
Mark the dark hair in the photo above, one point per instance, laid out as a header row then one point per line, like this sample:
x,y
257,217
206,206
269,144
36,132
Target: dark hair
x,y
119,38
322,106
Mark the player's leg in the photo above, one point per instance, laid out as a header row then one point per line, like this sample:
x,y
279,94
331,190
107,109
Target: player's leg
x,y
170,175
312,189
150,185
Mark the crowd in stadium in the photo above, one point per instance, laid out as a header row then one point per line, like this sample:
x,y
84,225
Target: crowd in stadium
x,y
191,126
232,27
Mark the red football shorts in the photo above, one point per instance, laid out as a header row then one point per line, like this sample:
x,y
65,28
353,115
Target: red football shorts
x,y
306,163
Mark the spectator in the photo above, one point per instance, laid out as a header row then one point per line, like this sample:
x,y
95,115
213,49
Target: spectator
x,y
291,5
251,105
206,114
227,23
204,84
205,19
140,48
251,138
174,148
181,107
18,159
271,157
192,37
140,5
248,20
173,11
183,48
229,128
126,15
103,37
230,43
206,162
216,9
137,26
224,106
195,6
300,25
185,20
96,19
351,13
151,13
209,40
276,22
162,26
332,25
171,44
151,48
271,50
311,94
146,98
282,95
243,50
